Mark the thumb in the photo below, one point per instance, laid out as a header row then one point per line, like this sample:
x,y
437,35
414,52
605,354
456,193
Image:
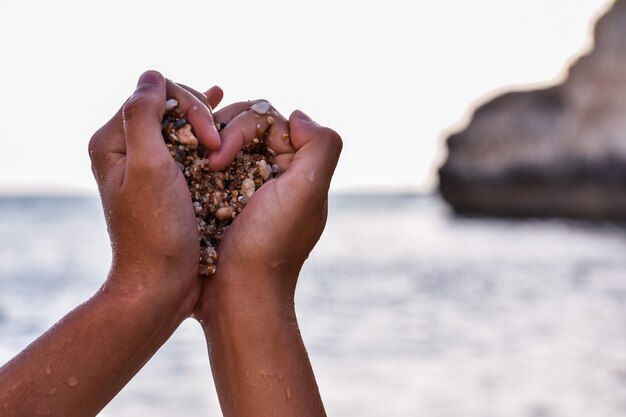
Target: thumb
x,y
142,115
302,128
317,150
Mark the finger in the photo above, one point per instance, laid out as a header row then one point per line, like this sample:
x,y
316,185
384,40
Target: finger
x,y
278,138
284,161
214,96
142,115
241,131
244,121
228,113
197,113
318,150
107,145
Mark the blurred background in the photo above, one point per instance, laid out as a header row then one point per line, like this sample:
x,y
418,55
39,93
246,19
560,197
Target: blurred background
x,y
407,308
392,79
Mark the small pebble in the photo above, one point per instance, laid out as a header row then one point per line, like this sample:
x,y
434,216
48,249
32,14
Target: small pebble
x,y
270,120
186,137
262,107
224,213
171,104
178,123
248,187
264,170
247,190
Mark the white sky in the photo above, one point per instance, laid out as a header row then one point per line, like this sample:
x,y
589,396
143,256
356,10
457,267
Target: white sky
x,y
391,77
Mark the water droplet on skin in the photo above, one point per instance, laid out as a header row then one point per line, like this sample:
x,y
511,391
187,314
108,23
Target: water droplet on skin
x,y
276,264
288,392
72,381
15,387
48,370
273,375
52,390
311,176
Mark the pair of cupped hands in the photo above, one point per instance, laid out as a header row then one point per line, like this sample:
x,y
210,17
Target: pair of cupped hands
x,y
151,219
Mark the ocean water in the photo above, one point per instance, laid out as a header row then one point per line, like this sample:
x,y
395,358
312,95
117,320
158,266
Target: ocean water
x,y
406,310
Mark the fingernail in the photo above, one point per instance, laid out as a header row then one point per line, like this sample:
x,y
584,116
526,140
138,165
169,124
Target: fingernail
x,y
302,116
149,78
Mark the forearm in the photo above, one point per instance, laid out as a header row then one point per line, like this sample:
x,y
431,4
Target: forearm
x,y
82,362
259,361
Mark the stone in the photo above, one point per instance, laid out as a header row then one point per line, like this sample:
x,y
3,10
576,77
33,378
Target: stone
x,y
217,197
559,151
265,171
171,104
185,136
262,107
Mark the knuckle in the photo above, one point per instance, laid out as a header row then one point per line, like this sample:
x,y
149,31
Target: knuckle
x,y
94,145
134,106
334,139
143,99
155,165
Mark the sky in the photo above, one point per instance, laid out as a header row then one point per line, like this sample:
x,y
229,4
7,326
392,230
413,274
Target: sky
x,y
394,78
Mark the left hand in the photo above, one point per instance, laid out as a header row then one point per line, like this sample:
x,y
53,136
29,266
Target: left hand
x,y
148,209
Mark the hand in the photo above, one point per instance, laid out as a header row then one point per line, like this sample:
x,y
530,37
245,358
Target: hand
x,y
264,248
259,361
149,213
92,353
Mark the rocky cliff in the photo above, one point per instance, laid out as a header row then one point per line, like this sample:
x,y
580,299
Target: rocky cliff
x,y
559,151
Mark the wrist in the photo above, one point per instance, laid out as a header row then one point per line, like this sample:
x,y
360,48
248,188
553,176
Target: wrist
x,y
256,321
249,296
158,267
259,361
154,297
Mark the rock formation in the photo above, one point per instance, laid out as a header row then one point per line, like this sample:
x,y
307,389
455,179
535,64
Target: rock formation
x,y
559,151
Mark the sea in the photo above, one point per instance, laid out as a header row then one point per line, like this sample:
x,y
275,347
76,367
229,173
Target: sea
x,y
406,309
